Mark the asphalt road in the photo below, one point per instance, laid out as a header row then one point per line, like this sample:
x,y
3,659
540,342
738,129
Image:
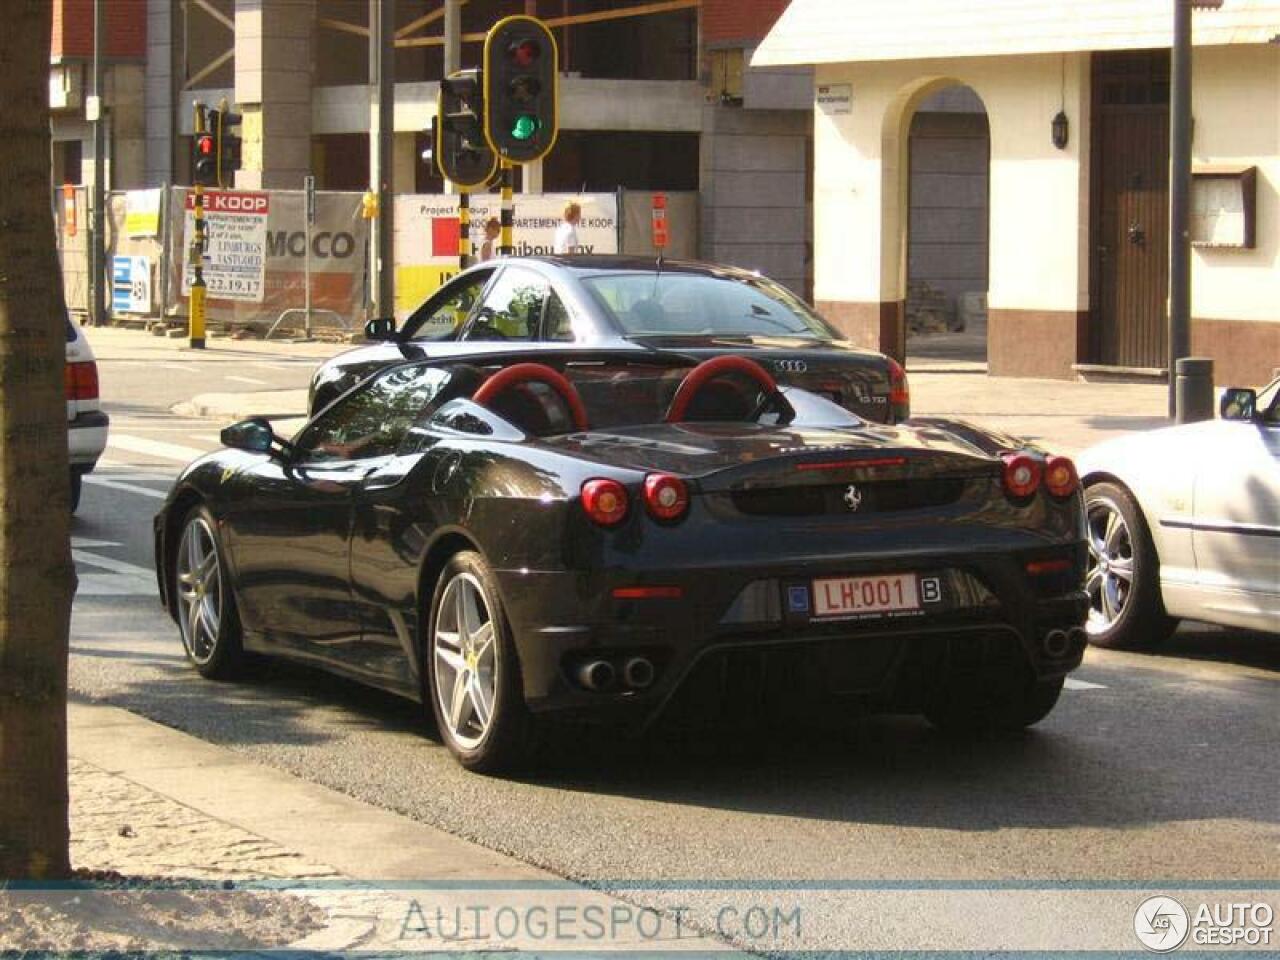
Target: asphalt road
x,y
1157,766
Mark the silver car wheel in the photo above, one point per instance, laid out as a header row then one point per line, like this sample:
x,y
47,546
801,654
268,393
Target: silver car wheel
x,y
199,586
1110,577
465,661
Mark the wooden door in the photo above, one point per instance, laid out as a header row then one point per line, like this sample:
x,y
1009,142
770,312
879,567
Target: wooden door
x,y
1130,224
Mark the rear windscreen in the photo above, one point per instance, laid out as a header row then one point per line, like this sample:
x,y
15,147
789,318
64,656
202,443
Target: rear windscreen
x,y
667,304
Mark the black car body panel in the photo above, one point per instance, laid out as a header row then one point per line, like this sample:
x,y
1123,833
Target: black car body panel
x,y
334,562
820,360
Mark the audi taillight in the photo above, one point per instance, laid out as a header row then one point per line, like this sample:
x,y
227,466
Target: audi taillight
x,y
899,392
81,380
665,497
1021,474
1060,477
605,501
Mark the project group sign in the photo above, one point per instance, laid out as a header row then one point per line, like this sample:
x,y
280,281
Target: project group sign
x,y
427,229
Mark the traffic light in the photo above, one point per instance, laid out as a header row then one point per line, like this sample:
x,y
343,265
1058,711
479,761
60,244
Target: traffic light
x,y
460,148
521,72
204,149
227,132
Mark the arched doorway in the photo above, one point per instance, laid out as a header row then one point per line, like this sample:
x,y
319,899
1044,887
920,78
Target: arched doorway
x,y
948,227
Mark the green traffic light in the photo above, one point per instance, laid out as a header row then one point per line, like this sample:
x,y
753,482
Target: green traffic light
x,y
525,127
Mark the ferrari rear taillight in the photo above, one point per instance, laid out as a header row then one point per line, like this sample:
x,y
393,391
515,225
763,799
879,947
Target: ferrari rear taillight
x,y
1021,474
899,391
605,501
81,380
1060,476
665,497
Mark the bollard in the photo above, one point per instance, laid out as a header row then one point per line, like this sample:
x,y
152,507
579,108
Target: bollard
x,y
1194,389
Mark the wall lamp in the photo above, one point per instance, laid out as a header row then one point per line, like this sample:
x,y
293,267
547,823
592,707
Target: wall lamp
x,y
1061,130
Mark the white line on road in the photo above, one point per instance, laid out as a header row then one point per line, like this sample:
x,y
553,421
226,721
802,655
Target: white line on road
x,y
120,579
84,543
249,380
127,487
1071,683
154,448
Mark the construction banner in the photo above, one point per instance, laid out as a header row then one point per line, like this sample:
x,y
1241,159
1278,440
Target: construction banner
x,y
265,249
426,241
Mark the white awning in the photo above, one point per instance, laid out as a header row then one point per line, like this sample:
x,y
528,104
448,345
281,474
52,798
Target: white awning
x,y
852,31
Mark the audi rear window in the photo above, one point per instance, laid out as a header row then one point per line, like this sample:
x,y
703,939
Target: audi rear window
x,y
691,304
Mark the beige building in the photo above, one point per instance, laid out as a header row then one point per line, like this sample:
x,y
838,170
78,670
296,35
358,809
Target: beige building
x,y
1075,217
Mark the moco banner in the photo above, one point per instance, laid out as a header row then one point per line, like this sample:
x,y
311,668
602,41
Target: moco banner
x,y
235,261
332,251
426,243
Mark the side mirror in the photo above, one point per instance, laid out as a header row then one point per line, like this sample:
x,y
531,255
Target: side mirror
x,y
1238,403
254,435
380,328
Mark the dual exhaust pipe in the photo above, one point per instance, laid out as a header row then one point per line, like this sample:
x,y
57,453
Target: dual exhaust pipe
x,y
600,676
1058,643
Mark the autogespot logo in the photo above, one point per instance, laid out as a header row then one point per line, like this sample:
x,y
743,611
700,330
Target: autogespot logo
x,y
1161,924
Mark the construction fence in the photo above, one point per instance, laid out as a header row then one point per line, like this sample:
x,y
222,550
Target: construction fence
x,y
279,259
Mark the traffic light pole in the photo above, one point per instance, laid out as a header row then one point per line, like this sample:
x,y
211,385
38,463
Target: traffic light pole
x,y
464,227
98,205
196,306
382,16
507,247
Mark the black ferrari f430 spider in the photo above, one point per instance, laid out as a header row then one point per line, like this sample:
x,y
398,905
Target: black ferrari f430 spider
x,y
605,535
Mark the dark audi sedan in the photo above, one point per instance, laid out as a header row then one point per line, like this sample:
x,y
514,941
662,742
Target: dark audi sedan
x,y
699,310
621,535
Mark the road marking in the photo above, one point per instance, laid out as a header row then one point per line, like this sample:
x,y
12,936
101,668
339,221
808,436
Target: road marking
x,y
154,448
120,579
1071,683
249,380
85,543
127,487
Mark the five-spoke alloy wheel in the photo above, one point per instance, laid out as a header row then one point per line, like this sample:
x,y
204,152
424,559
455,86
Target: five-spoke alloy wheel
x,y
474,674
203,603
1123,581
466,661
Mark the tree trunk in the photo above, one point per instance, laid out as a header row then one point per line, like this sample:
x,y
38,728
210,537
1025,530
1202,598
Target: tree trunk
x,y
37,578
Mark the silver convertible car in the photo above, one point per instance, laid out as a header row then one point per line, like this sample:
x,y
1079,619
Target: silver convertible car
x,y
1184,522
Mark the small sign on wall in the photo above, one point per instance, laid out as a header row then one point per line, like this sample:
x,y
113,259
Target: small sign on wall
x,y
130,285
1223,205
832,98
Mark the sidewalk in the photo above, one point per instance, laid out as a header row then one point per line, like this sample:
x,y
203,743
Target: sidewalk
x,y
118,343
1061,415
242,856
1064,416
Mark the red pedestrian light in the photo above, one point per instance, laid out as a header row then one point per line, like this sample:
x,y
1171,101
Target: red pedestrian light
x,y
524,53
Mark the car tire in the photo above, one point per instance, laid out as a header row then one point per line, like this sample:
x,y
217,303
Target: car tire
x,y
77,482
1125,607
473,675
1006,703
204,602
